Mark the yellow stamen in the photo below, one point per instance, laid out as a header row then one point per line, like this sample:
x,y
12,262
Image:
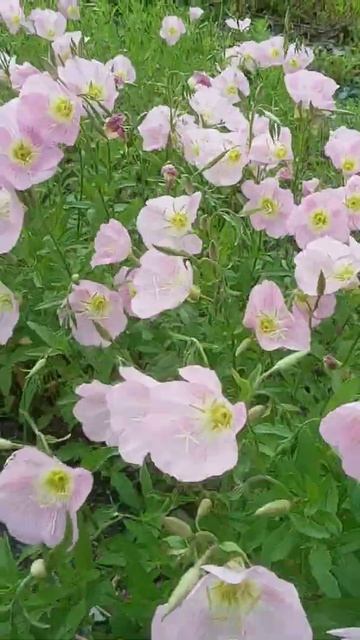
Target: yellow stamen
x,y
268,324
172,31
319,220
353,202
23,152
56,485
348,165
243,597
94,91
280,151
231,90
62,109
220,416
269,207
97,306
274,53
51,34
233,156
179,220
345,273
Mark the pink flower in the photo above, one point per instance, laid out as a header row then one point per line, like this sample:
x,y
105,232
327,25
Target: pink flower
x,y
351,633
19,73
155,128
309,186
200,146
273,206
66,46
48,107
341,430
210,105
172,28
69,9
11,219
112,243
319,214
167,222
197,433
274,326
311,87
230,82
248,55
25,157
93,413
272,52
123,282
123,70
9,313
98,314
343,149
12,14
352,202
161,282
195,13
91,80
199,79
312,307
297,58
48,24
228,170
38,493
270,151
236,603
339,263
238,25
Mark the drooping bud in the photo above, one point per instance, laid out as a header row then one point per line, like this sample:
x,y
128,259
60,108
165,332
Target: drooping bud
x,y
177,527
114,127
274,508
169,173
6,445
256,412
204,508
194,294
331,363
38,569
186,584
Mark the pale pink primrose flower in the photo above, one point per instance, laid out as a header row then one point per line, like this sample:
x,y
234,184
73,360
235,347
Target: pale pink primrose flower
x,y
238,25
123,70
310,186
9,313
228,170
234,603
12,14
38,493
25,157
270,151
11,219
172,28
19,73
210,105
230,83
343,149
319,214
98,314
131,374
285,173
112,243
338,262
70,9
272,206
271,52
195,13
274,326
48,24
311,87
318,309
167,222
199,79
91,80
351,633
155,128
261,125
123,282
92,411
341,430
50,108
247,55
352,202
235,121
196,436
297,58
161,282
66,46
200,146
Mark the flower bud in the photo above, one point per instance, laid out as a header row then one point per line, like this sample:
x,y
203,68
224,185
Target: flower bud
x,y
275,508
194,294
204,508
177,527
256,412
75,278
38,569
114,127
169,173
5,445
183,588
330,363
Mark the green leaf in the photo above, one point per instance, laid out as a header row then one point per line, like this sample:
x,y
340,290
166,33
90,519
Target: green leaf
x,y
53,339
145,481
308,527
126,490
320,564
347,392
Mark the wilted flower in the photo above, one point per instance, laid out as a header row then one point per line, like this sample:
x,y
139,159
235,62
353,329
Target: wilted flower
x,y
195,13
199,79
66,46
169,173
38,493
230,82
9,313
48,24
123,70
319,214
112,243
91,80
343,149
311,87
274,326
11,219
70,9
155,128
297,58
114,127
12,14
238,25
172,28
271,204
167,222
341,429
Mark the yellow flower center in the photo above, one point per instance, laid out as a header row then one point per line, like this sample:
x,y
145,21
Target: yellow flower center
x,y
274,53
15,20
51,34
345,273
56,485
233,156
23,152
220,416
172,31
319,220
353,202
247,57
132,290
243,596
97,306
62,109
5,205
268,324
280,151
231,90
348,165
73,13
6,302
269,207
196,150
94,91
293,63
121,75
301,298
179,220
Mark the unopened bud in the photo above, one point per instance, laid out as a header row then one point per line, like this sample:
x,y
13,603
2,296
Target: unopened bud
x,y
204,508
213,251
114,127
245,344
275,508
169,173
331,363
183,588
177,527
75,278
194,294
256,412
6,445
38,569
